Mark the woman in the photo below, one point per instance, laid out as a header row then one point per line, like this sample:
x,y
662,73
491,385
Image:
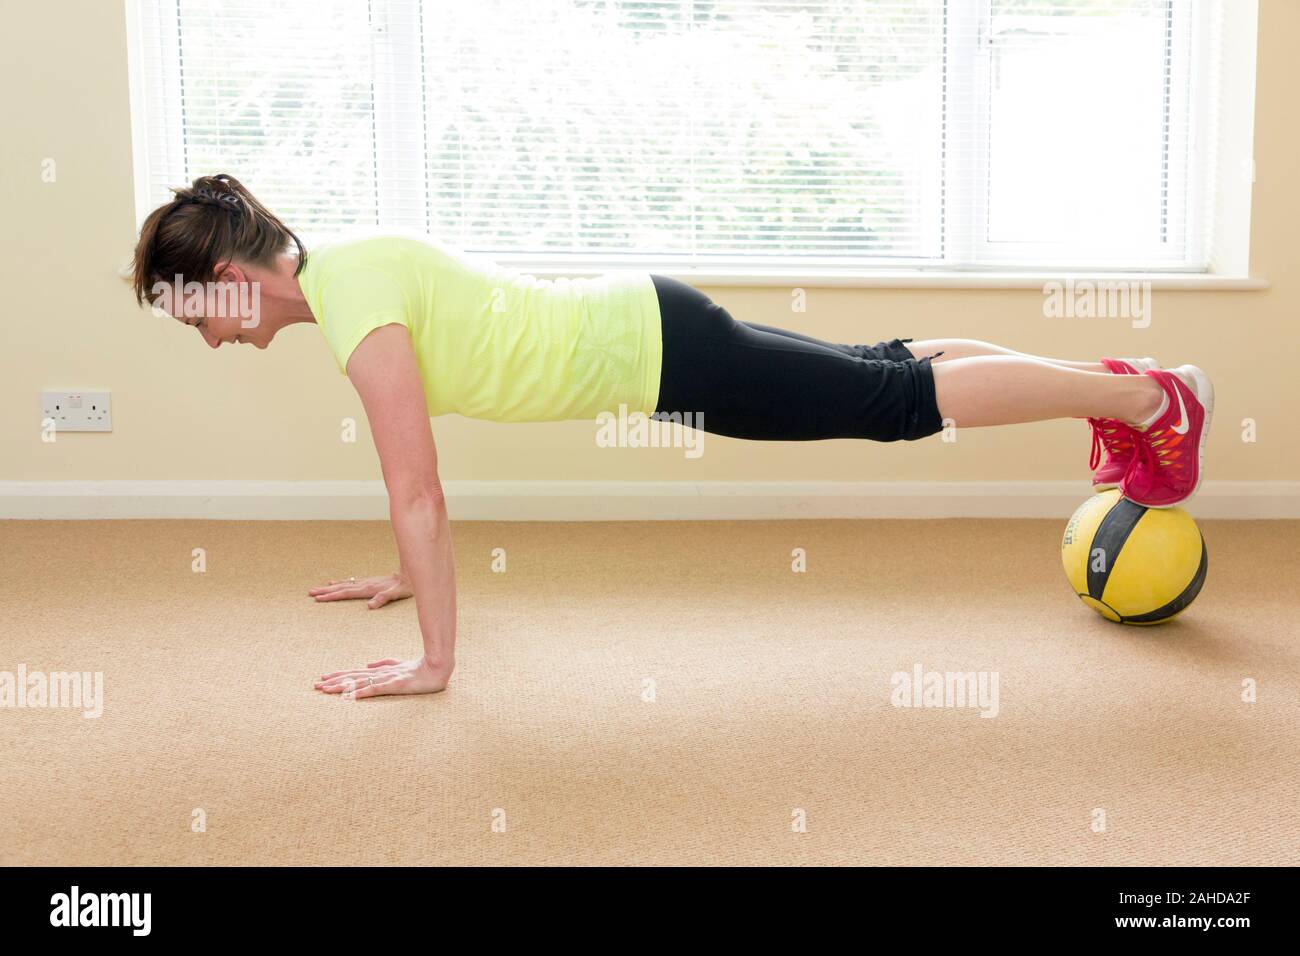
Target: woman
x,y
421,330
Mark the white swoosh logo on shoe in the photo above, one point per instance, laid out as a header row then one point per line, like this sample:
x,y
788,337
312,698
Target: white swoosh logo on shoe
x,y
1182,410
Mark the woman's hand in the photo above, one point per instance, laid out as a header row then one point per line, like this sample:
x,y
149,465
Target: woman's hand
x,y
379,590
388,676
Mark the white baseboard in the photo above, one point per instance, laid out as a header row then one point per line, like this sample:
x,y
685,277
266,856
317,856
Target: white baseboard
x,y
607,500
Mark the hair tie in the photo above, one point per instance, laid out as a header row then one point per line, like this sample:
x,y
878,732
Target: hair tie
x,y
209,197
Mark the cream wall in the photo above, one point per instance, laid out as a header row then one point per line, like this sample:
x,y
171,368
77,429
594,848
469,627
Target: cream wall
x,y
182,411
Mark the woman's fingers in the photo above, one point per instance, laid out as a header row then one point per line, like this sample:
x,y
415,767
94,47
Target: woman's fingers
x,y
327,588
388,685
345,687
348,675
344,594
338,679
336,685
332,586
367,671
366,585
382,590
386,596
338,586
347,684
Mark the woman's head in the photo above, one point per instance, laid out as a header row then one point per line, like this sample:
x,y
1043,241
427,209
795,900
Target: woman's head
x,y
210,236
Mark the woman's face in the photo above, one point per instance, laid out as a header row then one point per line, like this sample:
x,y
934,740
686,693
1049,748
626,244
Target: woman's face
x,y
223,311
220,329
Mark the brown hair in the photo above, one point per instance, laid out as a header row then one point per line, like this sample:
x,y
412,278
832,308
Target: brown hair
x,y
214,220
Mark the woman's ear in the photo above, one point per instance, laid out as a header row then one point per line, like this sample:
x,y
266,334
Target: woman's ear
x,y
228,272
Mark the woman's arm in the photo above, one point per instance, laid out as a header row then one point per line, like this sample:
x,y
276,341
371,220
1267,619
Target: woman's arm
x,y
386,376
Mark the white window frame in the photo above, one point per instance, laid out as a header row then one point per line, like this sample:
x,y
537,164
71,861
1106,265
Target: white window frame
x,y
1187,181
404,197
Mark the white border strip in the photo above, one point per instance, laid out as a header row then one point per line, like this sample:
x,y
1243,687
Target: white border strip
x,y
812,277
961,280
606,500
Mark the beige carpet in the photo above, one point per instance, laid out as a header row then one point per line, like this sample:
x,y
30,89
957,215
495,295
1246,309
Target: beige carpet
x,y
771,698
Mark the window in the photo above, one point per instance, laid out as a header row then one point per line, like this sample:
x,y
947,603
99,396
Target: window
x,y
725,134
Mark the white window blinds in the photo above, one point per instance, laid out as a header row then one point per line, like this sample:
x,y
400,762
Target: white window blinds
x,y
947,134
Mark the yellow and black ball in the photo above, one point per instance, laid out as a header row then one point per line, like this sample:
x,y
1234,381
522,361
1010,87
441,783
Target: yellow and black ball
x,y
1130,563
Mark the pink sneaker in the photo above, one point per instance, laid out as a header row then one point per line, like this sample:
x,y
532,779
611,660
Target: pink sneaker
x,y
1170,453
1133,366
1113,435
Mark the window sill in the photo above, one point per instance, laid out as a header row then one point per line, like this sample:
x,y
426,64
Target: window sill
x,y
918,279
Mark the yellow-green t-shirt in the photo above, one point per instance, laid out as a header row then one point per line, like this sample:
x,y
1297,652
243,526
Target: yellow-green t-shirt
x,y
490,342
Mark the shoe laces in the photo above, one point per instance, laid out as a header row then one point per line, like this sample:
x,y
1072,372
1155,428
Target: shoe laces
x,y
1144,461
1111,434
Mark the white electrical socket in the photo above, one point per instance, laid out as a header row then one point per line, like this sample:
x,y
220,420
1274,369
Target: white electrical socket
x,y
77,411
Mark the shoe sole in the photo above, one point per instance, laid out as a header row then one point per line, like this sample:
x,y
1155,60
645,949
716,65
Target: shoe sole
x,y
1204,395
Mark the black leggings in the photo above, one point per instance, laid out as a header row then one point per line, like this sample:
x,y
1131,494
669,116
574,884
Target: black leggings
x,y
762,383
